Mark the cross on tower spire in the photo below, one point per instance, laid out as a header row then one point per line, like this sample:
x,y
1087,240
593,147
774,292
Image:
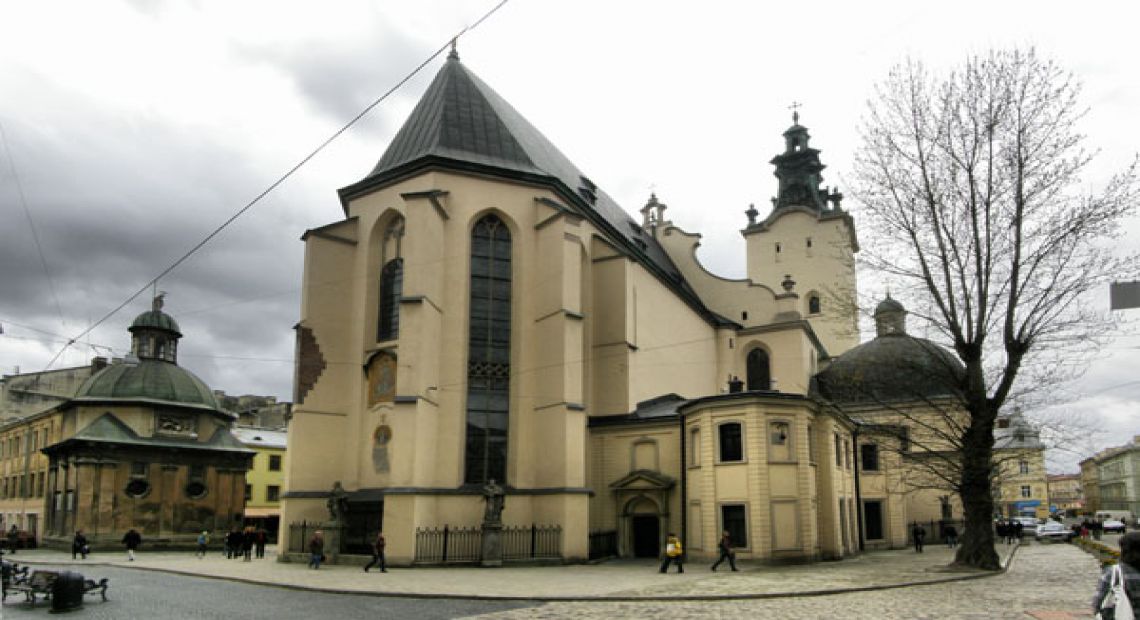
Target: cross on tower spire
x,y
796,105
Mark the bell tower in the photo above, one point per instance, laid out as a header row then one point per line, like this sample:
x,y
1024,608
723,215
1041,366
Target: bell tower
x,y
807,238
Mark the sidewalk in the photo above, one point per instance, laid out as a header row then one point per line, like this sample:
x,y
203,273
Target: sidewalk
x,y
614,580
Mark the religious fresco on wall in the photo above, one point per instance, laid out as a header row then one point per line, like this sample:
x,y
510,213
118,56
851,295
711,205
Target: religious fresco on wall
x,y
382,379
380,439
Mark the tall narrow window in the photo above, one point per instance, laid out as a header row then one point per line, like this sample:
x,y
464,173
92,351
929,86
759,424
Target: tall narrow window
x,y
391,282
731,445
489,352
869,457
391,285
759,374
813,304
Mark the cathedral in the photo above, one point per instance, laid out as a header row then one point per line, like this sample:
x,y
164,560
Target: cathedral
x,y
485,314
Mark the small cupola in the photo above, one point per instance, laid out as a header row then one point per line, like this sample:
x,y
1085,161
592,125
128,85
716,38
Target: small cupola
x,y
890,318
155,334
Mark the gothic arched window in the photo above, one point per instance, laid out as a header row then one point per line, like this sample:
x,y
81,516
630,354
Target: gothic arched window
x,y
391,281
759,373
391,287
488,352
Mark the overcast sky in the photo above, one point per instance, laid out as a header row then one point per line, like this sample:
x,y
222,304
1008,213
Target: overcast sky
x,y
134,128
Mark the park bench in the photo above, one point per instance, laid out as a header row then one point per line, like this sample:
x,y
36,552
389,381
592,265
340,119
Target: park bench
x,y
10,573
41,582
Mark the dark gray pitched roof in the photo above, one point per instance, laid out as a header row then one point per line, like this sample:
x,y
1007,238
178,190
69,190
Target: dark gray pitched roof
x,y
461,123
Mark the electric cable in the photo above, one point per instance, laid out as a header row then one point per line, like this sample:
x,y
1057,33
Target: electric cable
x,y
304,160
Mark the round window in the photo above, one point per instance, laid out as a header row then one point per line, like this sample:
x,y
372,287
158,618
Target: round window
x,y
137,488
196,490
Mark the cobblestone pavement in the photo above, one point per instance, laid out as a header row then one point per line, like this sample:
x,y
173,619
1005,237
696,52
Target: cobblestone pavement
x,y
616,578
1045,582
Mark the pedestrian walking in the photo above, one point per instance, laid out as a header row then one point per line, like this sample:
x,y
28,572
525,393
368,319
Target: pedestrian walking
x,y
247,538
1018,529
259,542
919,534
378,554
1118,593
203,543
79,545
951,535
13,539
132,539
726,552
316,550
673,553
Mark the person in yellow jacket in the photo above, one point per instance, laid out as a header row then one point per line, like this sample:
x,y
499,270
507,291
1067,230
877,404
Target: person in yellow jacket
x,y
673,553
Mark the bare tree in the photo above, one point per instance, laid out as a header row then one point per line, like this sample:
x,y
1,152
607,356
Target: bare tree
x,y
971,187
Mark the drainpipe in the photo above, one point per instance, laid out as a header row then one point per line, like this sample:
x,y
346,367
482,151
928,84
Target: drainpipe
x,y
684,484
858,492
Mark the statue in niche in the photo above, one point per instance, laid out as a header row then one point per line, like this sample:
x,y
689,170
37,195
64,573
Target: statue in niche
x,y
494,496
337,503
380,440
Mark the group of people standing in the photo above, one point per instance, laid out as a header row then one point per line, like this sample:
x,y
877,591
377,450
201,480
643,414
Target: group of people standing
x,y
239,543
1009,530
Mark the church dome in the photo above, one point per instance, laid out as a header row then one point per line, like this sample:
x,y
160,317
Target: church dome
x,y
894,367
148,380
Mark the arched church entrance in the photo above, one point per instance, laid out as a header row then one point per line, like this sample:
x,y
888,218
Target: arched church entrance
x,y
644,528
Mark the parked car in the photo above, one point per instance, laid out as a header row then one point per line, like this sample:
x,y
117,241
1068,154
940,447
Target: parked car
x,y
1114,525
1028,525
1053,531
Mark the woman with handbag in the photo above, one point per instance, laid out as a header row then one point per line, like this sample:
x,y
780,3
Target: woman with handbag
x,y
1118,594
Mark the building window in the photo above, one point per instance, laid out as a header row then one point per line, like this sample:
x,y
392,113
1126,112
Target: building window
x,y
695,447
869,457
488,352
759,373
248,492
136,488
813,304
731,446
838,451
811,443
272,493
873,520
1023,466
139,469
391,288
779,432
196,489
904,439
274,462
197,472
847,454
734,521
1026,490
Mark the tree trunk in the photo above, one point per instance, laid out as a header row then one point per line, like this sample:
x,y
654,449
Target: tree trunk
x,y
977,542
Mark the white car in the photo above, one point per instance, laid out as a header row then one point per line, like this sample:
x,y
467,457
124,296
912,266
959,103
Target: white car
x,y
1114,525
1053,531
1028,525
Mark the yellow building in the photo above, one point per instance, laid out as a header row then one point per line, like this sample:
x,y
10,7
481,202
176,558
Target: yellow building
x,y
24,471
1022,486
1090,485
484,315
264,482
1065,492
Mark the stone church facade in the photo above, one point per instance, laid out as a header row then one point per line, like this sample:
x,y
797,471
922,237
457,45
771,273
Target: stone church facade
x,y
484,312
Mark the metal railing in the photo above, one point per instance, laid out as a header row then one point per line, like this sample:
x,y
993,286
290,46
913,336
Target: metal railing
x,y
464,545
603,544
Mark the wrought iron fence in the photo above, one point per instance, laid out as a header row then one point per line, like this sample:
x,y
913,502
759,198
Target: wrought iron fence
x,y
460,545
532,543
448,545
300,533
603,544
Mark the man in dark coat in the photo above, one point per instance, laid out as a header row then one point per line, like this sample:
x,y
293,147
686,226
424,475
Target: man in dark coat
x,y
132,539
726,552
378,553
919,534
260,537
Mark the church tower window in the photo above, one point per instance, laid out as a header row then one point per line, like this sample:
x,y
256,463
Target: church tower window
x,y
731,444
391,282
759,372
813,304
488,352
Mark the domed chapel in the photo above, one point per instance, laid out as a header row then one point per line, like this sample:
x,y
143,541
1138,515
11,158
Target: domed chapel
x,y
486,317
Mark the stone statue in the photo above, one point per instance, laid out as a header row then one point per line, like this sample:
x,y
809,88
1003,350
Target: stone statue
x,y
494,496
337,503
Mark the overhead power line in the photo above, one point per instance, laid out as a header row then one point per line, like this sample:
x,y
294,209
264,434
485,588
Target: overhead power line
x,y
304,160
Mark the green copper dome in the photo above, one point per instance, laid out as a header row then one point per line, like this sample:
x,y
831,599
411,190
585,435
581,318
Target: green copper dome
x,y
155,319
150,380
